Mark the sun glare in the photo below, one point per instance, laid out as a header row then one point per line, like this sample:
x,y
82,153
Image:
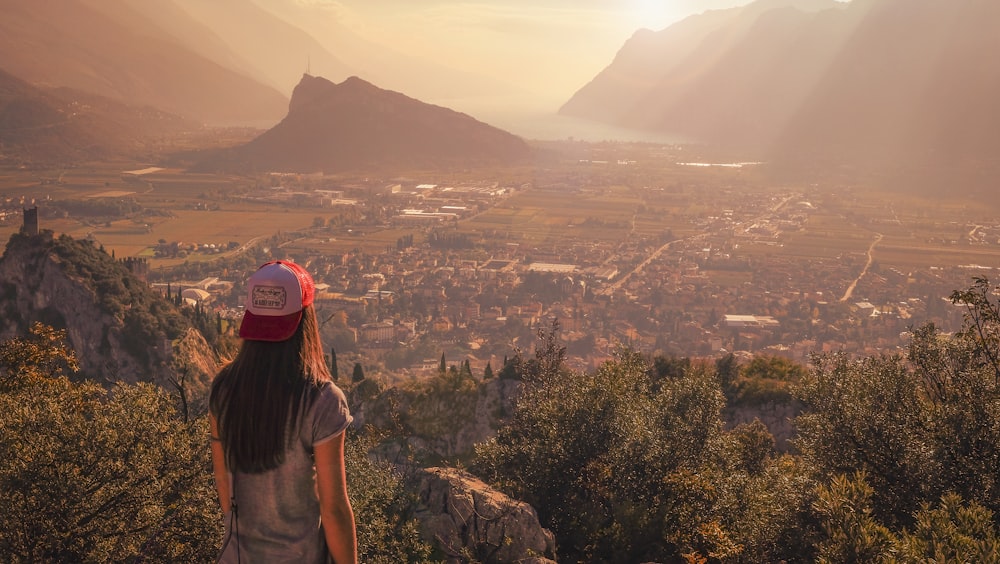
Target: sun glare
x,y
651,14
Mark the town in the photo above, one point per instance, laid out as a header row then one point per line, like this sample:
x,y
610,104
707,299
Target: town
x,y
630,245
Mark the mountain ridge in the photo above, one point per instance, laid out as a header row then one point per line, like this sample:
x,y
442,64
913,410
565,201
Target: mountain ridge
x,y
76,44
867,81
63,125
355,124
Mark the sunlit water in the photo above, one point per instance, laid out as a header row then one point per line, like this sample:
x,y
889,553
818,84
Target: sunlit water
x,y
552,126
544,123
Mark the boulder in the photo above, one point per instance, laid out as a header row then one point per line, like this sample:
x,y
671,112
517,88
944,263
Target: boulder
x,y
466,518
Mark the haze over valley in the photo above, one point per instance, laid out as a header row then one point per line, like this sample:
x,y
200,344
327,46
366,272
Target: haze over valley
x,y
496,197
779,94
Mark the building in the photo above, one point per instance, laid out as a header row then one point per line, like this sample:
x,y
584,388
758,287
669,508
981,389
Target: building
x,y
30,225
378,332
750,322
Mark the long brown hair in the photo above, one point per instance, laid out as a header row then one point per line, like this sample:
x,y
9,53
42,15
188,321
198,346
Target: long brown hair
x,y
257,398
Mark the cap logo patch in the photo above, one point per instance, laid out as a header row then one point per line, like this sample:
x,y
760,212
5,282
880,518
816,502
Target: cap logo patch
x,y
269,297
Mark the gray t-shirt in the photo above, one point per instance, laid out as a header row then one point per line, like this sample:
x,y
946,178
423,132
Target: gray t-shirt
x,y
277,511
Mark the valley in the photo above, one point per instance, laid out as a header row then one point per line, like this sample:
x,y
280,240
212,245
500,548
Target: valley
x,y
620,243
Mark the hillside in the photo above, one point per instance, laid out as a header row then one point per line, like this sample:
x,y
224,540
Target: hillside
x,y
58,126
114,51
868,80
355,125
119,328
278,61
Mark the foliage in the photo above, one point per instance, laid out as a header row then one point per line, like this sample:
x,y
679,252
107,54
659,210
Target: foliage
x,y
852,533
94,207
869,415
919,427
43,354
439,407
383,510
120,292
358,374
631,464
765,379
982,324
88,476
950,531
619,472
439,239
146,317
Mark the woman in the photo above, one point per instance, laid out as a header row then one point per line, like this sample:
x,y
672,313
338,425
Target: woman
x,y
278,425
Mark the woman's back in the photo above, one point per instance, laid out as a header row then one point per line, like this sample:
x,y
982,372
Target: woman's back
x,y
278,513
278,425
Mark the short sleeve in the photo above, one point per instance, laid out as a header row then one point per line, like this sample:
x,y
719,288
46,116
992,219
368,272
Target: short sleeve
x,y
330,415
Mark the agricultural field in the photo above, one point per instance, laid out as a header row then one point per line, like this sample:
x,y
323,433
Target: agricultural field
x,y
180,208
645,200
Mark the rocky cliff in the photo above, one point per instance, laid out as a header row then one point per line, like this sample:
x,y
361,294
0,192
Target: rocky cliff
x,y
119,328
463,516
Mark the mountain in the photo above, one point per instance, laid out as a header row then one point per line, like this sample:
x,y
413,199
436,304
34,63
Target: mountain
x,y
277,51
108,48
119,327
388,66
915,79
51,126
866,80
353,125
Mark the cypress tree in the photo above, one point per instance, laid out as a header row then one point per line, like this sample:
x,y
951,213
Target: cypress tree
x,y
359,373
334,373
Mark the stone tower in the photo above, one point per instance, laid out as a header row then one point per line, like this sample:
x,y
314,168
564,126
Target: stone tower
x,y
30,226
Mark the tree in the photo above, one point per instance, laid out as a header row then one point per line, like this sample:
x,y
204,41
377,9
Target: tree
x,y
488,371
44,354
727,369
868,415
358,374
88,476
766,378
334,371
949,531
442,366
919,427
619,471
852,533
383,509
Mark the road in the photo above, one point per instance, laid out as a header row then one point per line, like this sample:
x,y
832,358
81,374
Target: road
x,y
659,251
871,251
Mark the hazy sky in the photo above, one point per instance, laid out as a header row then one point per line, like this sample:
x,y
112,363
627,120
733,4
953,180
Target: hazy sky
x,y
550,47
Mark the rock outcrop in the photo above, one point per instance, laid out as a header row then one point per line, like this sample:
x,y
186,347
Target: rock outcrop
x,y
71,285
464,517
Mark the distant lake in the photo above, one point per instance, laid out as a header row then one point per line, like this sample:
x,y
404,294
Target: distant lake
x,y
547,125
723,165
